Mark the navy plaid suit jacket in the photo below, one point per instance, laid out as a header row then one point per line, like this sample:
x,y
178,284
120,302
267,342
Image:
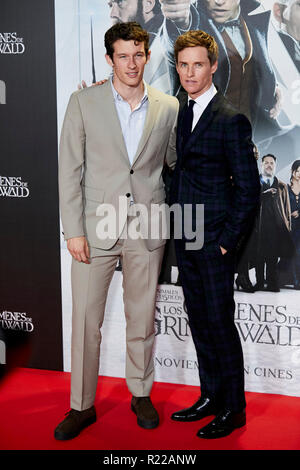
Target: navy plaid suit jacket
x,y
217,168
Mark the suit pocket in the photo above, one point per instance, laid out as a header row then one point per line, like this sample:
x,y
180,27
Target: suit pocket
x,y
93,194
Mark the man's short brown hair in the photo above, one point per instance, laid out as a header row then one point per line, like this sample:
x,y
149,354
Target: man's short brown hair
x,y
195,38
126,31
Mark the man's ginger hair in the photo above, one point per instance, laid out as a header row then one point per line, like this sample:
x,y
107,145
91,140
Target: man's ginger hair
x,y
196,38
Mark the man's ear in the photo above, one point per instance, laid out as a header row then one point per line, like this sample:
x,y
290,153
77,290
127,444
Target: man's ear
x,y
214,67
108,60
277,12
148,6
148,56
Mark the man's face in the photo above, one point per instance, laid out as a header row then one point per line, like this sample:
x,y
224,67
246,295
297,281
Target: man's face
x,y
123,11
268,167
293,22
129,60
194,70
222,10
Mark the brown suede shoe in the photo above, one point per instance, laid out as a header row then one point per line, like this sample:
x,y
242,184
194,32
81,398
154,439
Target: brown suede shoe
x,y
74,422
147,416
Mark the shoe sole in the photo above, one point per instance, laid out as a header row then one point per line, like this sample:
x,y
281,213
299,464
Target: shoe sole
x,y
223,434
145,424
62,436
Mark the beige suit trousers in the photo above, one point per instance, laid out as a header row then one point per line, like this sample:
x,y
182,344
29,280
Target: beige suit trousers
x,y
90,284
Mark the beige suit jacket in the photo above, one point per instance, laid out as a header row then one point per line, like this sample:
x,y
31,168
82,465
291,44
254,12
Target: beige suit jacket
x,y
94,167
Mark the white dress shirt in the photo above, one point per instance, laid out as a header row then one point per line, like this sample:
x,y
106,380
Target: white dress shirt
x,y
132,122
235,34
201,103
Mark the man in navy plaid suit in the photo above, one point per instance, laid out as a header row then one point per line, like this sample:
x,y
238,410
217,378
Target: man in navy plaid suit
x,y
216,167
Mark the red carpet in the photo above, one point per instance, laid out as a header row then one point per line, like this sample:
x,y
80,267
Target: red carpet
x,y
32,402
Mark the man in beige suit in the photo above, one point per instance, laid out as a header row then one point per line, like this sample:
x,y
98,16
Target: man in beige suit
x,y
115,141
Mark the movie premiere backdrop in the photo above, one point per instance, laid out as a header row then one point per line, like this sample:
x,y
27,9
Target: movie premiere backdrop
x,y
46,49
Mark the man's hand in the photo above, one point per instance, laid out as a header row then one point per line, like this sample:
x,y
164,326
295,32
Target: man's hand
x,y
83,84
295,214
223,250
177,11
271,190
79,249
277,106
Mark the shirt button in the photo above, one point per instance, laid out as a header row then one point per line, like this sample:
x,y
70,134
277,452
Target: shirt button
x,y
131,172
128,195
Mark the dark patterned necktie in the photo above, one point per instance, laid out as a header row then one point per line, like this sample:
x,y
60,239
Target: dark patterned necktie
x,y
187,122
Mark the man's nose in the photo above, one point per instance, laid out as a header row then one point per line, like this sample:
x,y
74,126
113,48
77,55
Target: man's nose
x,y
190,71
131,63
114,12
219,3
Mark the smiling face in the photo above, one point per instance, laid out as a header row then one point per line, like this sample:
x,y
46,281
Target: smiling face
x,y
129,60
222,10
195,70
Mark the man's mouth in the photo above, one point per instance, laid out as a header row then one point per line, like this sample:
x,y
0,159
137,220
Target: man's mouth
x,y
218,11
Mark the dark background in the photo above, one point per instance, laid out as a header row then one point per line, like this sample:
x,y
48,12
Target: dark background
x,y
29,242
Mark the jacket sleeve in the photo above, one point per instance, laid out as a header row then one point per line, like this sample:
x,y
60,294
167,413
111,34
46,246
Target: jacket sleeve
x,y
171,155
168,36
242,164
71,160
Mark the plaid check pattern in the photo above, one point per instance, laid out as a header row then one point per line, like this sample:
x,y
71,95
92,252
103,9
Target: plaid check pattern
x,y
216,168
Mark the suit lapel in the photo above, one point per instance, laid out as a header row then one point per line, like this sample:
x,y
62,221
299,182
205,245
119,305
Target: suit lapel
x,y
151,115
106,101
179,138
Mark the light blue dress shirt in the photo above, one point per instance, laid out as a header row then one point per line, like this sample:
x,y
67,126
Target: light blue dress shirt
x,y
132,122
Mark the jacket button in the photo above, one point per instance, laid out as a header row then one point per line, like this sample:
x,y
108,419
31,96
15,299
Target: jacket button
x,y
131,172
128,195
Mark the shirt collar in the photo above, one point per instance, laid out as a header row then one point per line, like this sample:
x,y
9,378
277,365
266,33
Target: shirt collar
x,y
236,18
266,178
206,97
118,97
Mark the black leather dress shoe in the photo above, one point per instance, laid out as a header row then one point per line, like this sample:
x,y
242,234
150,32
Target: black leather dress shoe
x,y
244,283
223,424
202,408
272,287
258,286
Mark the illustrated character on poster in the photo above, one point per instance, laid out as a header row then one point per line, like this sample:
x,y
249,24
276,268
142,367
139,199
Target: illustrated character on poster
x,y
287,14
273,227
289,268
245,73
294,194
246,254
